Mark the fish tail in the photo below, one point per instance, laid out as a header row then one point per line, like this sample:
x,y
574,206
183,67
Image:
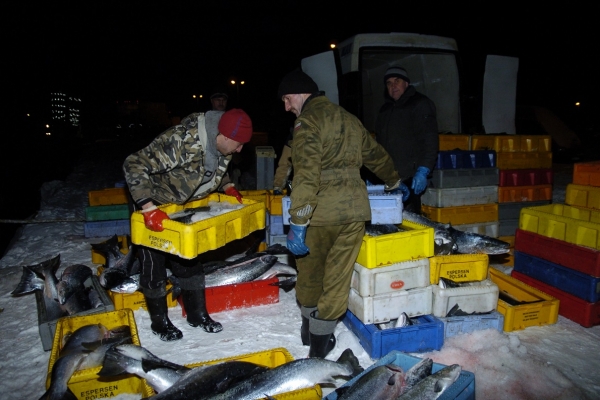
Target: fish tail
x,y
28,282
348,358
114,364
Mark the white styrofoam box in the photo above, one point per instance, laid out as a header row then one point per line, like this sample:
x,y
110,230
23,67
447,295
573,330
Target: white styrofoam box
x,y
466,196
276,239
388,306
275,224
385,208
491,228
479,297
391,278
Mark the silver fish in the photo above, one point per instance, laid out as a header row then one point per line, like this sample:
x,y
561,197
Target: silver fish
x,y
298,374
378,230
434,385
417,373
278,269
381,382
447,238
130,285
71,281
185,216
133,359
402,321
95,299
42,277
240,272
117,270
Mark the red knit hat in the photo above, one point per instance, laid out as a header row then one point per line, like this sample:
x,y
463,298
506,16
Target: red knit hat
x,y
236,125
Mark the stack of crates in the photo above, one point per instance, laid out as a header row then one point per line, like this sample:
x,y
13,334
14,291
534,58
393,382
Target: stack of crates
x,y
108,213
557,247
525,177
464,188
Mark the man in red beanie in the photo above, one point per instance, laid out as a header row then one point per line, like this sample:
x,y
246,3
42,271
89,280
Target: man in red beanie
x,y
184,163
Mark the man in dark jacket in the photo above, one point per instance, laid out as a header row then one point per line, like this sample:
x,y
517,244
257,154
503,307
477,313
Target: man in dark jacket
x,y
329,147
407,128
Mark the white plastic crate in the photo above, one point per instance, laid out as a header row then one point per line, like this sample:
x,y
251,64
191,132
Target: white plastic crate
x,y
385,208
479,297
466,196
390,278
388,306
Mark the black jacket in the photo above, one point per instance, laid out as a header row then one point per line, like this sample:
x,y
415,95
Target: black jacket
x,y
407,129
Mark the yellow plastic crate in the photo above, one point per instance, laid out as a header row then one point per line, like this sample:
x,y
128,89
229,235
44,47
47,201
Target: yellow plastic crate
x,y
454,141
536,143
587,173
579,226
583,196
541,310
98,258
509,239
413,242
85,383
458,267
524,160
256,195
460,215
512,143
107,197
274,204
187,241
512,194
270,358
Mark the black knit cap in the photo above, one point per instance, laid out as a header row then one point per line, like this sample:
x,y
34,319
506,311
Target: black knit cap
x,y
397,72
297,82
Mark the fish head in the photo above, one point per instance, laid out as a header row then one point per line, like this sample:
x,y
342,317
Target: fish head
x,y
112,277
444,243
475,243
63,291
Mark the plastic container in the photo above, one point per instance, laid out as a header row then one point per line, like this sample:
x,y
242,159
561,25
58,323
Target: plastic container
x,y
512,211
426,334
414,241
490,228
462,389
480,297
458,267
388,306
572,307
470,323
106,213
390,278
528,306
512,143
189,240
464,177
578,258
453,159
275,224
558,221
454,141
118,227
265,160
462,214
583,196
587,173
460,196
99,258
526,177
524,160
108,196
507,194
584,286
86,384
47,327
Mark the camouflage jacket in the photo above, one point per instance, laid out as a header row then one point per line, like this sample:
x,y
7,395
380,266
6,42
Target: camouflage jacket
x,y
330,145
180,164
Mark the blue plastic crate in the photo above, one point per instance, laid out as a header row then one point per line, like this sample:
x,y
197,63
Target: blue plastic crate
x,y
107,228
469,323
462,389
427,334
454,159
275,224
578,284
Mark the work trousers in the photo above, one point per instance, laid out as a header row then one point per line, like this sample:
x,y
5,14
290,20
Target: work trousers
x,y
324,275
154,264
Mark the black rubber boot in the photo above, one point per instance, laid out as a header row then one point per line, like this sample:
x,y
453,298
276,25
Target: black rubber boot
x,y
194,301
304,329
156,303
322,340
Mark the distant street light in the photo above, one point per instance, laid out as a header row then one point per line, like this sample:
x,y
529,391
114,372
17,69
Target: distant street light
x,y
237,87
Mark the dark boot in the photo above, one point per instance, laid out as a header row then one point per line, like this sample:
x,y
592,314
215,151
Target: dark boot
x,y
304,329
194,301
156,303
322,340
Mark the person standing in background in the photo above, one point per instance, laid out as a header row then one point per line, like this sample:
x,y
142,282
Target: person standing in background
x,y
218,100
407,128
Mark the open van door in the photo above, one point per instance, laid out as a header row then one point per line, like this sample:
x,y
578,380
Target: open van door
x,y
499,94
322,69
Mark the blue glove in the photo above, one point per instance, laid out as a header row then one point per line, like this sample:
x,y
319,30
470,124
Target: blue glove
x,y
277,192
295,239
419,181
404,190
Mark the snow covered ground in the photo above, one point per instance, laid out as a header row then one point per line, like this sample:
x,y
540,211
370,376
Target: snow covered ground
x,y
557,361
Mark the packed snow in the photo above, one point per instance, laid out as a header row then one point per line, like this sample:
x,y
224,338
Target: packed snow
x,y
558,361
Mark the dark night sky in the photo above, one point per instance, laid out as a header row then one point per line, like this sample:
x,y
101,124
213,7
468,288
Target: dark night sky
x,y
119,50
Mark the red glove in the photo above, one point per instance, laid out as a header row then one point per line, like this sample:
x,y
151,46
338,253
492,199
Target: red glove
x,y
153,218
232,191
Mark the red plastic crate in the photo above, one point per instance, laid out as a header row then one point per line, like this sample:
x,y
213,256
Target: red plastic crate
x,y
587,173
579,258
239,295
578,310
526,177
